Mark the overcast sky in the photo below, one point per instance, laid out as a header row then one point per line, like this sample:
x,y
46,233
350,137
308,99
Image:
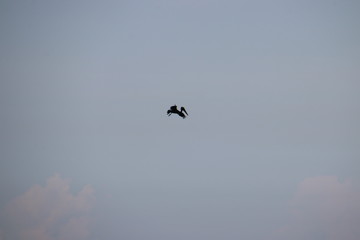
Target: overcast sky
x,y
270,149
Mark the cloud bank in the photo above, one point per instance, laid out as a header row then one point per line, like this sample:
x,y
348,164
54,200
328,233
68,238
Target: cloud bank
x,y
49,213
324,208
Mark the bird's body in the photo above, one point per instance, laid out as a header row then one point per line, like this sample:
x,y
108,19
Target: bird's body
x,y
173,109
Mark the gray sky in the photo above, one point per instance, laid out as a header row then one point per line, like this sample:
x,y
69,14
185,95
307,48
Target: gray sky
x,y
270,149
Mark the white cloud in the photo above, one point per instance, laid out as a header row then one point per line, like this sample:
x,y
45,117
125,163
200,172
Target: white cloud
x,y
49,213
324,208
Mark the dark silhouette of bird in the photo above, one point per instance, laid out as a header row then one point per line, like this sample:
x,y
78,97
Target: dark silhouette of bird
x,y
173,109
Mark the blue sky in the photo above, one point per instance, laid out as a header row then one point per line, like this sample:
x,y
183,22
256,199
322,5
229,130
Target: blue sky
x,y
271,143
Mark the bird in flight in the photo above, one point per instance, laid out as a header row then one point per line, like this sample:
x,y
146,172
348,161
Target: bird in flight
x,y
173,109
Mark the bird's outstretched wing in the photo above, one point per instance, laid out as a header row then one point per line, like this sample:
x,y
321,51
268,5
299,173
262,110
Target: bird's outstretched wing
x,y
183,109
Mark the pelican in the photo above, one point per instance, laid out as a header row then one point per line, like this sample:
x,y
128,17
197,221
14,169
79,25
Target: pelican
x,y
173,109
